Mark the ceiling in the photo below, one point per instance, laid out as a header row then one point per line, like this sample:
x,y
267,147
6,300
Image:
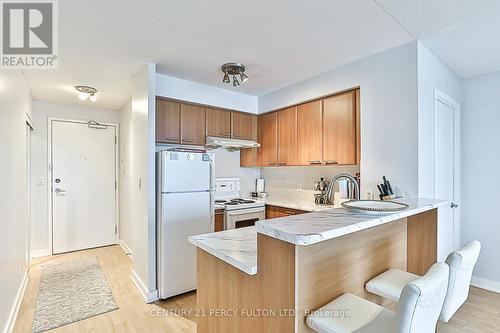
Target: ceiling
x,y
104,43
464,34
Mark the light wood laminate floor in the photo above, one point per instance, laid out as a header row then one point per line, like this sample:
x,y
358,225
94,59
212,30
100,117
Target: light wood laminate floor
x,y
481,313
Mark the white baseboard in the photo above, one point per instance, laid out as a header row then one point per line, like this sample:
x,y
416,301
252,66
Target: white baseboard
x,y
125,248
485,284
40,253
11,321
149,296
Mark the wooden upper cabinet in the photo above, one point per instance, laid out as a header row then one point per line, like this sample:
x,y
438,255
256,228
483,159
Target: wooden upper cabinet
x,y
339,129
242,126
192,124
249,157
268,139
287,136
358,128
218,123
309,133
168,121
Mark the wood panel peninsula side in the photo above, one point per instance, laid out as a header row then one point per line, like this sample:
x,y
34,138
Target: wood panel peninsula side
x,y
268,277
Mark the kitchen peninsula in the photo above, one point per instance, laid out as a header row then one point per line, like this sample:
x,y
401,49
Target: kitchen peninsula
x,y
266,278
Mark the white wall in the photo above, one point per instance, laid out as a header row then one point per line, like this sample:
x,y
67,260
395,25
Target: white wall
x,y
128,180
227,165
15,103
389,137
171,87
432,75
480,181
137,187
39,169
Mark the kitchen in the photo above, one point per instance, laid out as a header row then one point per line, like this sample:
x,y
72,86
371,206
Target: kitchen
x,y
281,139
317,144
320,163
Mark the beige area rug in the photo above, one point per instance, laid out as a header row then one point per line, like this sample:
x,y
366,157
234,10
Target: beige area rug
x,y
70,291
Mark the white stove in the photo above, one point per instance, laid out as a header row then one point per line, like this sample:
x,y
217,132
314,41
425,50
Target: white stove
x,y
237,203
239,212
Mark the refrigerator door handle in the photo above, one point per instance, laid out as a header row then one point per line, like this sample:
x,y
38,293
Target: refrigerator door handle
x,y
212,199
212,208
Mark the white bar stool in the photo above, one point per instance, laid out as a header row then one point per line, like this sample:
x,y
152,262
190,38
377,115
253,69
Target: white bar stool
x,y
390,283
418,310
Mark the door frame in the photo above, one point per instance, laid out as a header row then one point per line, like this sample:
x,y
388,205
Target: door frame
x,y
443,98
50,182
29,149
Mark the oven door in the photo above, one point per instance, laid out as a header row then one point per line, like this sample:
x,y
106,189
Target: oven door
x,y
240,218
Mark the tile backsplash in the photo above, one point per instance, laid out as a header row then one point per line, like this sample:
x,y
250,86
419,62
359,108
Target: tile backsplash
x,y
293,177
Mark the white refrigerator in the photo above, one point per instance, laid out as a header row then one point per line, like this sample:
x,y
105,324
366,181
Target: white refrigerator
x,y
185,208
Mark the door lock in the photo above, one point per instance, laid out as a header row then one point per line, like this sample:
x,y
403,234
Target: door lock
x,y
58,190
453,205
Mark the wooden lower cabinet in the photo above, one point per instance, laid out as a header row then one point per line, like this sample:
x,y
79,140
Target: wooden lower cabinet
x,y
219,220
273,212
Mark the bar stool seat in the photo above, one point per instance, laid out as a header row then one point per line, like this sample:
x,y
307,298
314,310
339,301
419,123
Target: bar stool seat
x,y
350,313
390,284
418,309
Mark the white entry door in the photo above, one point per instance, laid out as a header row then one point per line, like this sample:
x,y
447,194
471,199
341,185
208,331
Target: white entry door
x,y
445,174
83,186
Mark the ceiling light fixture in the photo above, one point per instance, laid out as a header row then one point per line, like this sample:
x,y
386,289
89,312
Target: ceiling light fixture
x,y
86,93
234,69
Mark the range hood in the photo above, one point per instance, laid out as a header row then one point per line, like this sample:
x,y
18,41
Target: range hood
x,y
229,144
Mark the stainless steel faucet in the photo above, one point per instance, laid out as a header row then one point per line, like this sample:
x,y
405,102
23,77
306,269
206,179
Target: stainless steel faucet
x,y
329,193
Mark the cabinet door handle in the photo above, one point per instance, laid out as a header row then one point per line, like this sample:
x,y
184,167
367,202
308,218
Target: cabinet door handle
x,y
273,163
314,162
171,139
187,140
224,133
281,163
289,212
236,136
330,162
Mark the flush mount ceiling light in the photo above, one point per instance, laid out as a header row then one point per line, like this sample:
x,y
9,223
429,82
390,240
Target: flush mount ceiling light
x,y
86,93
233,69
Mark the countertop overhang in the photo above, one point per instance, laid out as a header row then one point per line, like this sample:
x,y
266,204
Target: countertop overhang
x,y
238,247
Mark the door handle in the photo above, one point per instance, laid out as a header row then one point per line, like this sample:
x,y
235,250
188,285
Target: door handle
x,y
58,190
453,205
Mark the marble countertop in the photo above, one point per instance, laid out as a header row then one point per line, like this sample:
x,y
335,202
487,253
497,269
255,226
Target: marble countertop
x,y
308,206
312,228
237,247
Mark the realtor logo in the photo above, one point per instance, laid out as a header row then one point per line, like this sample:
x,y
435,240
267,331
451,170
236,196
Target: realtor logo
x,y
29,34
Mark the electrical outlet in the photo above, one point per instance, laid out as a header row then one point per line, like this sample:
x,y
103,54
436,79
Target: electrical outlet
x,y
369,194
299,187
